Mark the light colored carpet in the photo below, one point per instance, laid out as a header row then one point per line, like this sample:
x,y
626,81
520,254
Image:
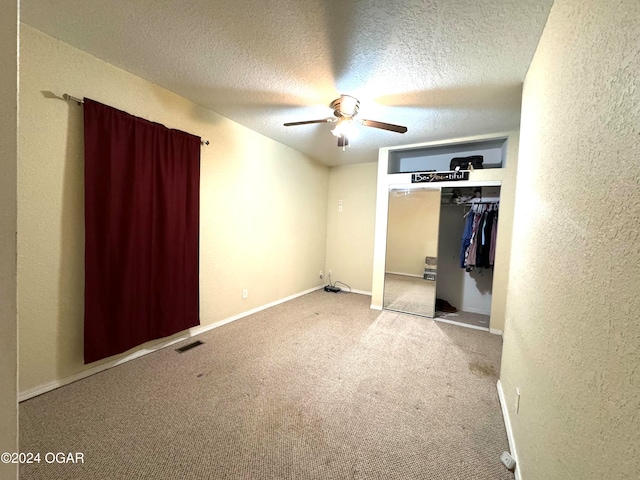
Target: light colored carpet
x,y
409,294
321,387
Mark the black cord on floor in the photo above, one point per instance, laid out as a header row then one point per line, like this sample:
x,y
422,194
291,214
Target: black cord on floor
x,y
337,281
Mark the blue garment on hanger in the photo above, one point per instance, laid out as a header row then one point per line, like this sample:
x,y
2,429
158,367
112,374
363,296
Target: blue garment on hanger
x,y
466,238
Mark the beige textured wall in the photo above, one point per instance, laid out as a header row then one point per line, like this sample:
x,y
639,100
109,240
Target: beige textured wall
x,y
572,339
263,205
412,230
350,232
8,223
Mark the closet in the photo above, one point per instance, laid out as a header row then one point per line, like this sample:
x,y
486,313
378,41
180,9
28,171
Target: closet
x,y
467,241
418,246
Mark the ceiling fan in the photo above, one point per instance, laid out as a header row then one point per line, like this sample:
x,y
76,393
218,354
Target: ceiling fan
x,y
345,110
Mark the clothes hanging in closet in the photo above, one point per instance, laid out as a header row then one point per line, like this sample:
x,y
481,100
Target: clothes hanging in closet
x,y
477,249
472,251
466,239
494,236
484,246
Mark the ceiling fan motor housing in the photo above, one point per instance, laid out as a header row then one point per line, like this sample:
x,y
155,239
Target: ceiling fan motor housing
x,y
345,106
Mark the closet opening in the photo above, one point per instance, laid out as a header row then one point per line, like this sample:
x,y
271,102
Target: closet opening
x,y
467,234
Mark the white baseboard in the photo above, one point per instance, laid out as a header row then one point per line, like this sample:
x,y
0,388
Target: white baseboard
x,y
361,292
375,307
405,274
460,324
507,424
158,345
475,310
495,332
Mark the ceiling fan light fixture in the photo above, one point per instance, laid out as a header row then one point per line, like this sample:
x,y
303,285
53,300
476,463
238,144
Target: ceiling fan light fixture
x,y
344,127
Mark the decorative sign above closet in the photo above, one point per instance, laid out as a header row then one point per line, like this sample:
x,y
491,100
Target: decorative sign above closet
x,y
440,176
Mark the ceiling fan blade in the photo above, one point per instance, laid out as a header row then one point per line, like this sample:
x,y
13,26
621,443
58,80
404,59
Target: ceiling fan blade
x,y
307,122
343,141
384,126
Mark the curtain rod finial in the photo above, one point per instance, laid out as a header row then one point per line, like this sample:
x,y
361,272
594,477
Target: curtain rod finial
x,y
66,96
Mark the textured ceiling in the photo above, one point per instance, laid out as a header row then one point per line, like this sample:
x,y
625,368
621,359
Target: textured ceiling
x,y
443,68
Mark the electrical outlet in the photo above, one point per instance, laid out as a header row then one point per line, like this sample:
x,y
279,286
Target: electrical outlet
x,y
508,460
329,272
321,275
245,293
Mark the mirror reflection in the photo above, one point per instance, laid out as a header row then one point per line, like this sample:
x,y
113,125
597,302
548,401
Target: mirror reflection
x,y
412,249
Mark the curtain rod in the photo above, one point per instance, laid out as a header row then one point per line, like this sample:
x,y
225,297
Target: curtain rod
x,y
80,101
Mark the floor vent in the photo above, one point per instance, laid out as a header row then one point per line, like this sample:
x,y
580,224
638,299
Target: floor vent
x,y
189,346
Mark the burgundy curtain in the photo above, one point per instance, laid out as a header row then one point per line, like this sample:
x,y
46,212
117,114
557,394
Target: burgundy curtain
x,y
141,231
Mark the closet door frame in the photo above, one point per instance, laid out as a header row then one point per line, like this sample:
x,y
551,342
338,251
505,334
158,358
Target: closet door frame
x,y
505,177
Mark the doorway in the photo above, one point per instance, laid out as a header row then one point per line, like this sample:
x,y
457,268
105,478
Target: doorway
x,y
428,270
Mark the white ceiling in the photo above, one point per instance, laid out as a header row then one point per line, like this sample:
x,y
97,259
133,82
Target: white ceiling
x,y
443,68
